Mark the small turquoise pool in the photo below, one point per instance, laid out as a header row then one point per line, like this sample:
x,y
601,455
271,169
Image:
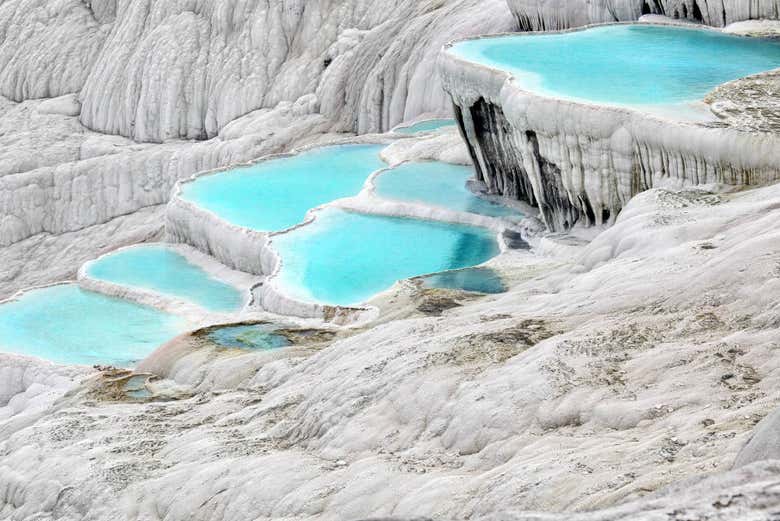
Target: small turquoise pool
x,y
625,64
438,184
346,258
160,269
256,336
66,324
426,126
276,194
477,280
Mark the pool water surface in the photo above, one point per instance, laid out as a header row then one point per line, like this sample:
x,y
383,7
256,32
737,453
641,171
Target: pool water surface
x,y
439,184
636,65
274,195
345,258
66,324
163,270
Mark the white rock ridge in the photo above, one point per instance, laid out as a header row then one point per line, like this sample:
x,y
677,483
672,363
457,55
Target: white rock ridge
x,y
546,15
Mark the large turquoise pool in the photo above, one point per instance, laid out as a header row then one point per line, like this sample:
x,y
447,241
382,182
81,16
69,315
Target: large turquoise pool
x,y
276,194
160,269
438,184
625,64
345,258
68,325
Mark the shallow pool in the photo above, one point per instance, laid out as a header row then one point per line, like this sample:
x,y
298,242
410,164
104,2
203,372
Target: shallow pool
x,y
626,64
68,325
478,280
345,258
256,336
439,184
276,194
163,270
426,126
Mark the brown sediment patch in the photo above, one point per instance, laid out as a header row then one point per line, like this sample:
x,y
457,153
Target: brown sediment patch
x,y
495,347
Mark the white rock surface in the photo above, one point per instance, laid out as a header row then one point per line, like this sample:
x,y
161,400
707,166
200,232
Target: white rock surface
x,y
648,360
155,70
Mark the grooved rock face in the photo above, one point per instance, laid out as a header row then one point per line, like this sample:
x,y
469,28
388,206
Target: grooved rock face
x,y
564,14
47,46
184,69
154,70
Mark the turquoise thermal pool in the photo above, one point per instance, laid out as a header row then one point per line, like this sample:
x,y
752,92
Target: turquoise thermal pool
x,y
426,126
625,64
346,258
274,195
68,325
160,269
477,280
439,184
256,336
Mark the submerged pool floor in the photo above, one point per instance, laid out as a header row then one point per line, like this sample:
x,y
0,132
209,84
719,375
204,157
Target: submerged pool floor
x,y
68,325
625,64
163,270
439,184
274,195
252,337
477,280
346,258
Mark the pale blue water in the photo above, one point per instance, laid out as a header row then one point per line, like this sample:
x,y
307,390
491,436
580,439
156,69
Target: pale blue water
x,y
478,280
68,325
626,64
426,126
158,268
276,194
439,184
258,336
346,258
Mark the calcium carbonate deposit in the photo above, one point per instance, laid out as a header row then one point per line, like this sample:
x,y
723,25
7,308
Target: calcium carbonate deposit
x,y
398,259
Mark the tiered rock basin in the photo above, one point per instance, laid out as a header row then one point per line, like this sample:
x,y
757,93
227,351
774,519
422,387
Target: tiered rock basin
x,y
578,122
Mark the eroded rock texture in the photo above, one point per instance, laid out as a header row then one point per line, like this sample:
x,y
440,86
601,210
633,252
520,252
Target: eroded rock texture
x,y
563,14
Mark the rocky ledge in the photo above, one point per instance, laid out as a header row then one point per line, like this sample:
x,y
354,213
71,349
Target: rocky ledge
x,y
581,163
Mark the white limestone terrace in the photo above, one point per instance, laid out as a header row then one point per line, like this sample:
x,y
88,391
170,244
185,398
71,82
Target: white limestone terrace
x,y
641,359
252,251
94,130
644,360
583,161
